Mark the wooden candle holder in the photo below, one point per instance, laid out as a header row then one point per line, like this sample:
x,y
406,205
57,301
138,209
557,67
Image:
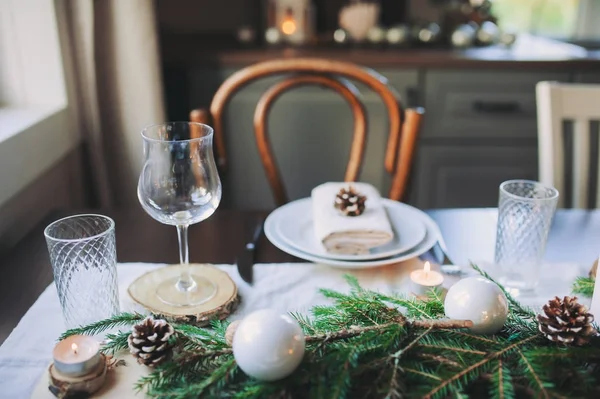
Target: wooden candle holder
x,y
66,387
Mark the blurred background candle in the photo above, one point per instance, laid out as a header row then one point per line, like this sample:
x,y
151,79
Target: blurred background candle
x,y
423,280
76,355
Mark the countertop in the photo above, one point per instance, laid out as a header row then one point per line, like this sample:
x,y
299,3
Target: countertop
x,y
528,52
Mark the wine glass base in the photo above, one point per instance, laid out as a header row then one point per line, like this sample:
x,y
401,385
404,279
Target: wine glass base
x,y
201,291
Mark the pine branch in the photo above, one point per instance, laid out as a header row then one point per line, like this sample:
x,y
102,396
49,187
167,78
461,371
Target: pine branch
x,y
358,330
475,366
115,342
119,320
364,346
538,381
422,373
415,307
440,359
501,382
584,286
395,389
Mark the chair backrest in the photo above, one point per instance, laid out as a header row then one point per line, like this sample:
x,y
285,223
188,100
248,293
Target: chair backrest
x,y
403,124
556,103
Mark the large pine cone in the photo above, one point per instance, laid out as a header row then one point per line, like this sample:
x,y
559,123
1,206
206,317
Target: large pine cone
x,y
350,202
149,341
566,321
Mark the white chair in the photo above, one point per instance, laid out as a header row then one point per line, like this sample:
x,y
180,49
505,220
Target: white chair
x,y
557,102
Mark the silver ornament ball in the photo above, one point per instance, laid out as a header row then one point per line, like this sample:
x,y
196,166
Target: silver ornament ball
x,y
268,345
479,300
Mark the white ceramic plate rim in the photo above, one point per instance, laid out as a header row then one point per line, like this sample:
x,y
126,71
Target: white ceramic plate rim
x,y
281,216
432,236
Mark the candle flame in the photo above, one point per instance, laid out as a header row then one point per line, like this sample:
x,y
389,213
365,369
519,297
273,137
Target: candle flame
x,y
427,267
288,26
74,347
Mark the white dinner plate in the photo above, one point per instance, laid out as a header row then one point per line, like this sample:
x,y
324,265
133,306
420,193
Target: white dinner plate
x,y
296,228
431,237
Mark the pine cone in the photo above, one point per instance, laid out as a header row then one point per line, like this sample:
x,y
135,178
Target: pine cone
x,y
350,202
149,341
566,321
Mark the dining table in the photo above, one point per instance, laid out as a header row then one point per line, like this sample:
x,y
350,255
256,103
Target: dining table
x,y
30,318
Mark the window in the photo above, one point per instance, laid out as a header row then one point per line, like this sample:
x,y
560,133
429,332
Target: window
x,y
36,125
553,18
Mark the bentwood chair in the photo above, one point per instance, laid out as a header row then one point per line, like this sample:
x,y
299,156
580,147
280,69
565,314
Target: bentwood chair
x,y
403,123
579,103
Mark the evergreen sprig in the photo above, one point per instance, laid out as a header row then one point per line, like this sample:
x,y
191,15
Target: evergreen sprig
x,y
120,320
584,286
367,344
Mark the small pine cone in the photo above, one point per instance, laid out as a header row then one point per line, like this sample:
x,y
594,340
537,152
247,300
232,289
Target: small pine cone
x,y
350,202
566,321
149,341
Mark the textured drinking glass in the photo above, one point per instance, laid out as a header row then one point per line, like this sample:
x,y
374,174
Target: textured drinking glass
x,y
83,257
525,212
179,185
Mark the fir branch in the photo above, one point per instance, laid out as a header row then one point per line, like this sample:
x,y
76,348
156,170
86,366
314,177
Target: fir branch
x,y
475,366
395,388
471,336
225,370
415,307
454,349
304,322
439,359
584,286
115,342
411,344
538,381
119,320
422,373
352,347
341,383
501,382
353,331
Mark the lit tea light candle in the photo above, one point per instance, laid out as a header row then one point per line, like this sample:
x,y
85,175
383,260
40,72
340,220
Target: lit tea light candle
x,y
425,279
76,355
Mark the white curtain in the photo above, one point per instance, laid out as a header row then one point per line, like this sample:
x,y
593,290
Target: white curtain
x,y
116,88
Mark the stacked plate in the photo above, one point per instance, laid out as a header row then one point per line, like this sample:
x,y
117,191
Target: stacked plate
x,y
290,228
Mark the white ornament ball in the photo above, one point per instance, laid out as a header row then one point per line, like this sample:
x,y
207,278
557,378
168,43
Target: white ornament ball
x,y
479,300
268,345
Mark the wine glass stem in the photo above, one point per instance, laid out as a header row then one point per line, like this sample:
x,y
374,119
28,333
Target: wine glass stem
x,y
186,282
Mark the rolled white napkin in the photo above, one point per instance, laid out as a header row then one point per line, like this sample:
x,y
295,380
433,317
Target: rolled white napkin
x,y
350,235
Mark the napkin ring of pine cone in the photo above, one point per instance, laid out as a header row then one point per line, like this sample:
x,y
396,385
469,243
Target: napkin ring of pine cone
x,y
350,202
150,342
566,321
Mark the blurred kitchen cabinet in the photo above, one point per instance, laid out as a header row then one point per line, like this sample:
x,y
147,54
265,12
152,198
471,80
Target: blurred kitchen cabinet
x,y
482,104
587,77
310,130
458,176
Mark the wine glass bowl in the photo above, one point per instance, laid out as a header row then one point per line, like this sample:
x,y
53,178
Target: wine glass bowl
x,y
179,186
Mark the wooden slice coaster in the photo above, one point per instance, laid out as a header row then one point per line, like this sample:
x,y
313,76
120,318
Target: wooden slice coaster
x,y
63,386
121,373
220,306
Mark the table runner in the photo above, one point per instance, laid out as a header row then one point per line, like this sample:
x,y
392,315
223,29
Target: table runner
x,y
26,353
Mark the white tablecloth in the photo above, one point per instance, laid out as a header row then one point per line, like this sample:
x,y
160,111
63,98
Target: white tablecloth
x,y
26,353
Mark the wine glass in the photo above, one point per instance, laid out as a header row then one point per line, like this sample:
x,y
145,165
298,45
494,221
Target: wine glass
x,y
179,185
